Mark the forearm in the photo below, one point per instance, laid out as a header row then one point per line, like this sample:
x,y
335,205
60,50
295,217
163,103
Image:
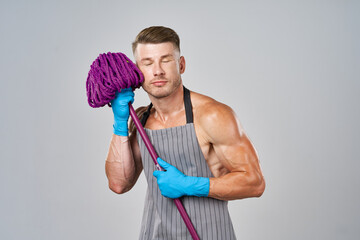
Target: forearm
x,y
234,185
120,166
237,185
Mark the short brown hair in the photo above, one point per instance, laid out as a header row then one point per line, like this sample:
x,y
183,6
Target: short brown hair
x,y
157,34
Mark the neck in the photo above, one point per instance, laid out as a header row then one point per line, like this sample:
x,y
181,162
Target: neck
x,y
168,106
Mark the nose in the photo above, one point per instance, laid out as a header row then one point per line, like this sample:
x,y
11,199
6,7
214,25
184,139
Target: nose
x,y
157,70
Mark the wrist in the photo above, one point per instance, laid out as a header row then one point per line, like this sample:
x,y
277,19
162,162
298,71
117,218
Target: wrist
x,y
200,186
121,128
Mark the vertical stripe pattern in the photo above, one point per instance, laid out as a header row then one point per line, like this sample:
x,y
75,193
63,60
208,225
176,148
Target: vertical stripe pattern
x,y
161,220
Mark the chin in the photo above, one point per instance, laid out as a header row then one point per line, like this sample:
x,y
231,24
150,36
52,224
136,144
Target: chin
x,y
161,92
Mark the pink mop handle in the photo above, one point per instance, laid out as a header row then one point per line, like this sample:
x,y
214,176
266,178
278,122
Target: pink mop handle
x,y
154,156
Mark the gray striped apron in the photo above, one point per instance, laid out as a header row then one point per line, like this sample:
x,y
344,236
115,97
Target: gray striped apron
x,y
161,219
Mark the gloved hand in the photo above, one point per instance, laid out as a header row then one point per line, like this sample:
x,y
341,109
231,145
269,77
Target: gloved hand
x,y
120,107
174,184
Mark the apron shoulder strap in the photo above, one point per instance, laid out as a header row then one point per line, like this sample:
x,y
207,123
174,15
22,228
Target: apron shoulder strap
x,y
145,116
188,106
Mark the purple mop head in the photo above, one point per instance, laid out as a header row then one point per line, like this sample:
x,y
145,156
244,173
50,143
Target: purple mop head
x,y
109,73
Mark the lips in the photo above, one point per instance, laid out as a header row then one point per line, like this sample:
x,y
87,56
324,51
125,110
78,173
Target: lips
x,y
159,83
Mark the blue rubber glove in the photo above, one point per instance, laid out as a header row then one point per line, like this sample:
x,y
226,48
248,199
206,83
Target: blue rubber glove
x,y
120,107
174,184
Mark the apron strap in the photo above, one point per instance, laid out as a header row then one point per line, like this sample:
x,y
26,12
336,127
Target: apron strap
x,y
188,106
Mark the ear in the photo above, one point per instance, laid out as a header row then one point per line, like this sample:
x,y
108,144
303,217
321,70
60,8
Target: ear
x,y
182,64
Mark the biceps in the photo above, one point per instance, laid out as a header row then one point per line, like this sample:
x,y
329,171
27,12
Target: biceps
x,y
239,156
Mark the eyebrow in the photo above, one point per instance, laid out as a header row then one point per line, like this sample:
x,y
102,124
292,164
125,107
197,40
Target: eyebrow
x,y
163,56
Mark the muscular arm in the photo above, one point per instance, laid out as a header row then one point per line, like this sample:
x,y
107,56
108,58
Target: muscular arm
x,y
235,152
123,163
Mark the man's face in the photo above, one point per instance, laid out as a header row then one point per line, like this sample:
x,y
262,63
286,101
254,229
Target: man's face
x,y
162,67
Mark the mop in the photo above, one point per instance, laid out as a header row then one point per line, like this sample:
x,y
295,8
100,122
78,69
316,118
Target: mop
x,y
110,73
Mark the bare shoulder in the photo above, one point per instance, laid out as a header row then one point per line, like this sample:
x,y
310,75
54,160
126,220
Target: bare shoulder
x,y
208,109
212,117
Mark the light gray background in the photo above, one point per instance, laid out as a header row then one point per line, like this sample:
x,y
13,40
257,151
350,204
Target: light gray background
x,y
289,69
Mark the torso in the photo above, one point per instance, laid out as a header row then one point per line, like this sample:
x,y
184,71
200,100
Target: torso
x,y
200,104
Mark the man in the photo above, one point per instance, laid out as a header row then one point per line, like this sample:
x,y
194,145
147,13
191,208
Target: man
x,y
206,154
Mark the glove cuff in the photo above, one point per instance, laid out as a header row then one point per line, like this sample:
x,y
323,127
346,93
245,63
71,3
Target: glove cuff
x,y
121,129
200,187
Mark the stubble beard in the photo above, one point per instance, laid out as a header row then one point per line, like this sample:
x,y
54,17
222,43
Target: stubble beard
x,y
163,91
